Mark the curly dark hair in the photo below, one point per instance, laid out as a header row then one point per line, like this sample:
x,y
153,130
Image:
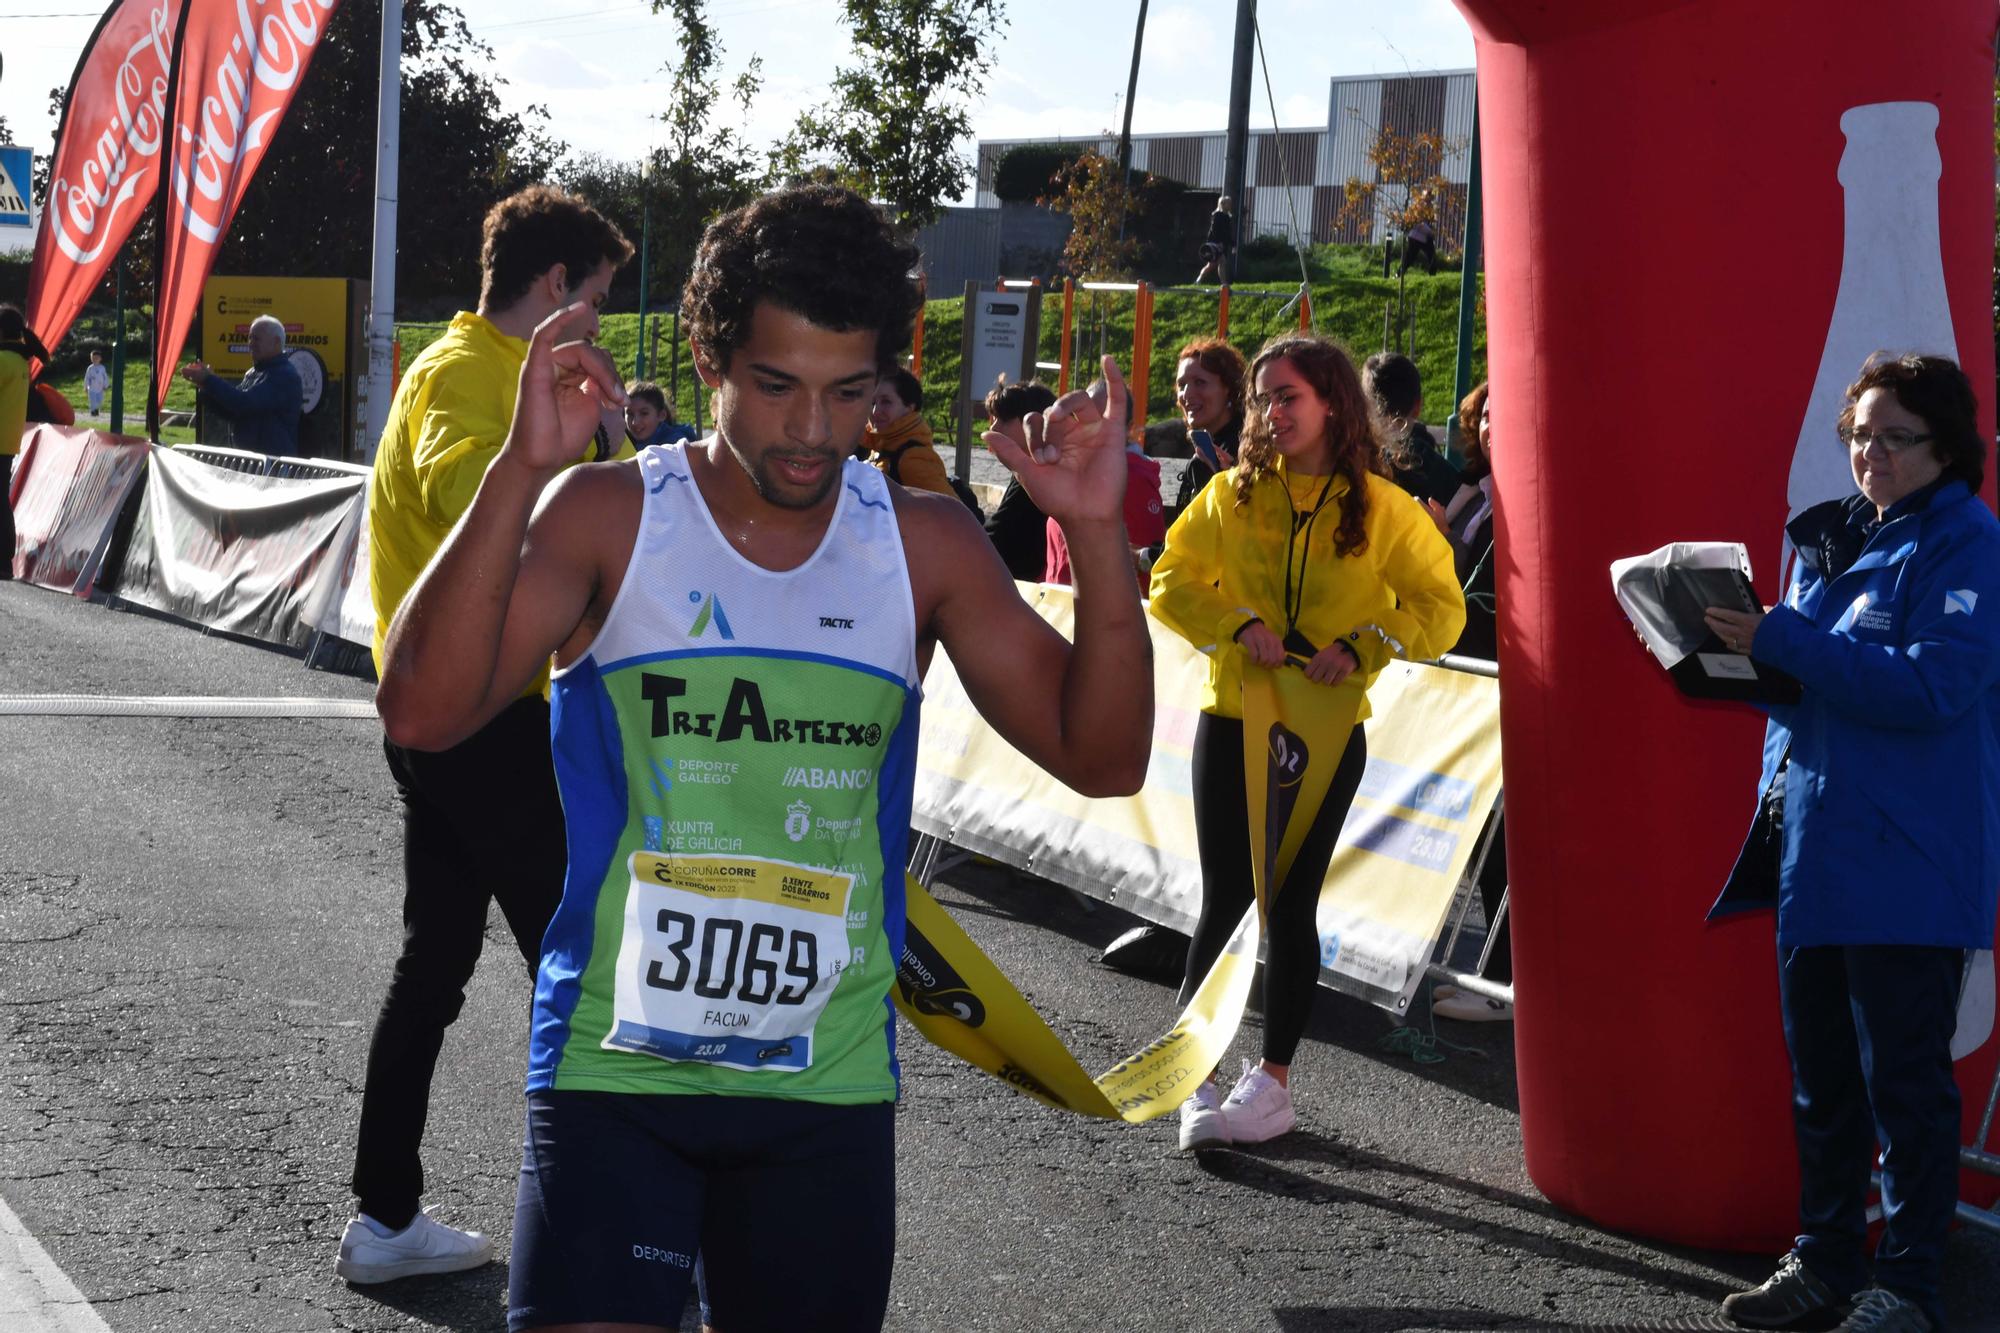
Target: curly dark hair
x,y
1934,388
531,231
1219,359
822,252
1351,429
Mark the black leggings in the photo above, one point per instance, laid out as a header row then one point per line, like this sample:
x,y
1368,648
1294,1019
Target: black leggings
x,y
1222,831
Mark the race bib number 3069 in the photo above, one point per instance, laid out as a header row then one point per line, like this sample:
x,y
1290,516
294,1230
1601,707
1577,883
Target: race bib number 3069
x,y
728,960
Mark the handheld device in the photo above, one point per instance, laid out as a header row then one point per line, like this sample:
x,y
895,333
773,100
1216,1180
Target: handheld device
x,y
1204,449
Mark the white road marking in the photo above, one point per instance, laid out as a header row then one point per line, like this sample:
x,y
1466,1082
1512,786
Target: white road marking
x,y
35,1296
165,705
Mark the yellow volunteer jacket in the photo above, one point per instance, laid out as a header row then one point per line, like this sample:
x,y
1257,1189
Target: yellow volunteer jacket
x,y
13,403
446,426
1224,566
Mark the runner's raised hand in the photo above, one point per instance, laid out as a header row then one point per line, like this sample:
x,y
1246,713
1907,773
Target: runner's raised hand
x,y
565,389
1074,465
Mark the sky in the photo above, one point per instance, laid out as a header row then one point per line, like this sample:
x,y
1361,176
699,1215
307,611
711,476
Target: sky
x,y
1060,67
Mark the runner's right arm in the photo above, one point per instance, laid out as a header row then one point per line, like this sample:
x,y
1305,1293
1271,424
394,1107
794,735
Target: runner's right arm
x,y
514,580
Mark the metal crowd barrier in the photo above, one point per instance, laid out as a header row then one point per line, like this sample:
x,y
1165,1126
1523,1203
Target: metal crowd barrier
x,y
1471,981
314,468
236,460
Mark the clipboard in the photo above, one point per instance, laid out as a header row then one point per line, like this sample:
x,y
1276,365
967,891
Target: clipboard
x,y
1664,594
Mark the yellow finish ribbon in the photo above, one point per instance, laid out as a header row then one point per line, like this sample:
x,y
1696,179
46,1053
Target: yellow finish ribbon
x,y
962,1002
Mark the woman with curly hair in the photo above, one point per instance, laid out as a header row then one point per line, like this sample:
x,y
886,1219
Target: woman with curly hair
x,y
1309,559
1210,386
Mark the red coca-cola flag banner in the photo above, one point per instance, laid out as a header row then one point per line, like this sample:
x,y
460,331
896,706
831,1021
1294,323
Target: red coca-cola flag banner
x,y
107,163
241,61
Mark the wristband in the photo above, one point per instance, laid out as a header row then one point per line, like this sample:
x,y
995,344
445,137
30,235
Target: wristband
x,y
1237,637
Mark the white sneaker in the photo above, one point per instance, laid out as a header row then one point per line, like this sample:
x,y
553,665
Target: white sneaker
x,y
1202,1125
1257,1108
1469,1008
425,1246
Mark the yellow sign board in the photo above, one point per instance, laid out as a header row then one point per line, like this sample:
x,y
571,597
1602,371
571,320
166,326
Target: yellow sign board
x,y
313,311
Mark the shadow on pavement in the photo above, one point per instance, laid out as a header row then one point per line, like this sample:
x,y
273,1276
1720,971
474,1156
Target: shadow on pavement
x,y
471,1302
1382,1319
1270,1176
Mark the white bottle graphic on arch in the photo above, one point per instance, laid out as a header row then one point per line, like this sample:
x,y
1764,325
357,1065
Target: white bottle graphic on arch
x,y
1891,298
1892,294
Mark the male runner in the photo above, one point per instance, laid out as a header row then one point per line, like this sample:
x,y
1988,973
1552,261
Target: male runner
x,y
482,821
740,628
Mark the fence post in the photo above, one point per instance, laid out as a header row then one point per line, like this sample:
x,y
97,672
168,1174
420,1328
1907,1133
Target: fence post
x,y
1222,314
917,345
1142,353
1305,309
1063,354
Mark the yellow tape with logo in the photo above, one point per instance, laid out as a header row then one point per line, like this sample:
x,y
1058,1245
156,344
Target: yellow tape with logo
x,y
1293,735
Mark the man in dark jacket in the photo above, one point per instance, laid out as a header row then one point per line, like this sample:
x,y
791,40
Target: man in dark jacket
x,y
263,409
1220,245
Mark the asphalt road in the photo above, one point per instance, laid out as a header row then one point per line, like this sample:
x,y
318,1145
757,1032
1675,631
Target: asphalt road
x,y
197,918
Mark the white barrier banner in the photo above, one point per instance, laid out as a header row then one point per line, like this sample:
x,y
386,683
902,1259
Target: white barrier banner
x,y
1433,775
341,607
235,551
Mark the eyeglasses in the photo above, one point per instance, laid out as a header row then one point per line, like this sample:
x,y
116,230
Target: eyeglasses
x,y
1894,440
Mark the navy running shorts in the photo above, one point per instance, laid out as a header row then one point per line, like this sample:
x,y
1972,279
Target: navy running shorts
x,y
789,1206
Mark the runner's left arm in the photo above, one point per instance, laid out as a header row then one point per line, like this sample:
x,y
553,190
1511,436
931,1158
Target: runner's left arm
x,y
503,593
1082,710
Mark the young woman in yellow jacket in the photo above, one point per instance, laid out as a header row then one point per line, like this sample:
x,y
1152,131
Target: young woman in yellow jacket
x,y
1302,554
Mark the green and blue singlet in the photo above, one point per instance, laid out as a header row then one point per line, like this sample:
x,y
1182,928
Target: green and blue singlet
x,y
736,753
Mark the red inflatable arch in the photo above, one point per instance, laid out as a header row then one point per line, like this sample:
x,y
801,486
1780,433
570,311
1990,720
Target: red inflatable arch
x,y
1690,205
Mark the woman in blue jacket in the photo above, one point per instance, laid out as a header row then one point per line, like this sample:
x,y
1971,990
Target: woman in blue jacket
x,y
1877,839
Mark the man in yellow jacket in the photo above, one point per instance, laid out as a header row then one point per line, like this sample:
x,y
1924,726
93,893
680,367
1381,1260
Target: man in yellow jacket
x,y
482,821
18,348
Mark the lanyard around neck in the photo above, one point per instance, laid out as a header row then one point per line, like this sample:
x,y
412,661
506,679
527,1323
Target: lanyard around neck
x,y
1295,603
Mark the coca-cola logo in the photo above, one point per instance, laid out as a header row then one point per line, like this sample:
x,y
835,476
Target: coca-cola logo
x,y
88,197
244,93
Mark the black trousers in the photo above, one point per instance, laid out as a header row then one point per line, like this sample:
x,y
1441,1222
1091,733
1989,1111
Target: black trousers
x,y
1222,833
482,823
6,517
1869,1028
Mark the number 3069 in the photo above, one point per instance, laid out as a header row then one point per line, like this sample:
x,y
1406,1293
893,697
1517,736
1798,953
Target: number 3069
x,y
735,960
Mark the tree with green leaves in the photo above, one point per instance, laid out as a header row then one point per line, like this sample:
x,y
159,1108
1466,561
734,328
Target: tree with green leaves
x,y
310,209
898,114
1101,247
705,167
